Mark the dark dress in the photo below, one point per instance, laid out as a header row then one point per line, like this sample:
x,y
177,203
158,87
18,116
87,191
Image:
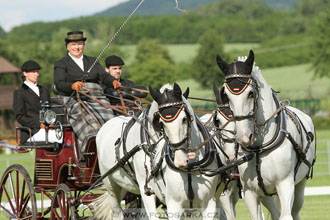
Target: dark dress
x,y
27,105
66,72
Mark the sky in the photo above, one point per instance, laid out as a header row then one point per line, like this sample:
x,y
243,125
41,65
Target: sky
x,y
16,12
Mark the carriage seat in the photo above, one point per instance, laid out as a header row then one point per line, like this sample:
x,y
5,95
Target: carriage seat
x,y
35,144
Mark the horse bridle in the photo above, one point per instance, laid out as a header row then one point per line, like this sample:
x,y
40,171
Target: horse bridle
x,y
251,82
179,145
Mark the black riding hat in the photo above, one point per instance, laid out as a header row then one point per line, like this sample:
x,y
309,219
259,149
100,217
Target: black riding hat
x,y
113,60
30,65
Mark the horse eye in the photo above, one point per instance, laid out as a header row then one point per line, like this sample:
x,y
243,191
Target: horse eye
x,y
250,95
184,120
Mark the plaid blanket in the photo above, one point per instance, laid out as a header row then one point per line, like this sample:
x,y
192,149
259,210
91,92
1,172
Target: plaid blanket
x,y
84,124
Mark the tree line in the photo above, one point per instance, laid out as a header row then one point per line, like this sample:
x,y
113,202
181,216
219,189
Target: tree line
x,y
286,38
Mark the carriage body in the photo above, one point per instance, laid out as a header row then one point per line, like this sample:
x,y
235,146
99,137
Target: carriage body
x,y
59,176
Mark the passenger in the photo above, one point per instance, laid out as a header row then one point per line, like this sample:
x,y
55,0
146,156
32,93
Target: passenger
x,y
70,75
114,66
27,105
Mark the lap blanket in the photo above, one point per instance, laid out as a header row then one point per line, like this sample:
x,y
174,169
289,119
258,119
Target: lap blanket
x,y
84,124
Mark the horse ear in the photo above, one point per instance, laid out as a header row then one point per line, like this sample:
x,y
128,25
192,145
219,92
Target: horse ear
x,y
249,61
177,90
222,64
186,93
216,93
155,93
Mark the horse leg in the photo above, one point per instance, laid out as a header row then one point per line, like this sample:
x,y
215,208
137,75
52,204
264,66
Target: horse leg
x,y
299,193
107,207
270,204
174,209
149,204
228,201
253,204
285,191
210,210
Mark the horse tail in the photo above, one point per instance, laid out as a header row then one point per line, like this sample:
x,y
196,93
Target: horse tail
x,y
101,208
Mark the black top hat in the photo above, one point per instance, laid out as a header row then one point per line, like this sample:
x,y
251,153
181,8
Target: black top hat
x,y
113,60
75,36
30,65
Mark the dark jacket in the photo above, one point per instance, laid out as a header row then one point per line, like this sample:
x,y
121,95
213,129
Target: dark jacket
x,y
66,72
27,105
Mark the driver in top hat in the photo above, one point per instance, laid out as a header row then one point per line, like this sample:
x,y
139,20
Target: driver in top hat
x,y
71,74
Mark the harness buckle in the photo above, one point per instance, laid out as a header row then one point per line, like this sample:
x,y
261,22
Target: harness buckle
x,y
130,113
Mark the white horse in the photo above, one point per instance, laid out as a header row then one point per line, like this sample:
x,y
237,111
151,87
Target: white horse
x,y
223,119
280,137
172,137
225,140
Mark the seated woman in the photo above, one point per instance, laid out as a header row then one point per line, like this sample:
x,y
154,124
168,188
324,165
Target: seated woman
x,y
74,72
27,105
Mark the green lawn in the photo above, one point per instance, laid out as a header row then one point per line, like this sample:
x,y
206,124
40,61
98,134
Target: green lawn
x,y
293,82
185,52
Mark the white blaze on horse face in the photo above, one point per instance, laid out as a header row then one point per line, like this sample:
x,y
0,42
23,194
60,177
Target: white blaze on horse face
x,y
243,105
176,131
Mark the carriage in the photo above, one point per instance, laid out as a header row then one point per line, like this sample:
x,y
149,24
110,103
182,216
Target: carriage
x,y
60,176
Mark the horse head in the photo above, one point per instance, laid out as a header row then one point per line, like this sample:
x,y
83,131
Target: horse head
x,y
173,119
240,88
223,119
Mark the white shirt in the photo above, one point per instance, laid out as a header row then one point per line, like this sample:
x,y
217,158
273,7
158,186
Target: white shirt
x,y
78,61
33,86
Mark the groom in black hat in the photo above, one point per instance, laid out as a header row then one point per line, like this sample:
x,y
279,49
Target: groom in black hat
x,y
27,105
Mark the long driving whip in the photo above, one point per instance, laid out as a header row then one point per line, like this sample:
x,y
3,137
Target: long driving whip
x,y
114,36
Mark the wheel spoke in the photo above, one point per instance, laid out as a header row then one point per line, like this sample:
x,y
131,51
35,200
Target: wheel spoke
x,y
17,194
25,202
17,191
4,208
12,189
9,199
22,195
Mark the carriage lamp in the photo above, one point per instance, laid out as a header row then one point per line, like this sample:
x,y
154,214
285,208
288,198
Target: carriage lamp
x,y
46,115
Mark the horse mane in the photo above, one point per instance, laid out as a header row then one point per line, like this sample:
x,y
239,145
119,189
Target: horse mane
x,y
256,74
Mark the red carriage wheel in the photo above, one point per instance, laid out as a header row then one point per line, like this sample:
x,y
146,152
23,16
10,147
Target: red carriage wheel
x,y
61,208
17,196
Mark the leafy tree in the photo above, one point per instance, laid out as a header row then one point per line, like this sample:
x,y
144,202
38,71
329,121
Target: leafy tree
x,y
206,70
321,52
310,8
153,65
2,33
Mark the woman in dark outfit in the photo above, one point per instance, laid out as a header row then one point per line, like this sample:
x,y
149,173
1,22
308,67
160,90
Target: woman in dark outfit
x,y
70,75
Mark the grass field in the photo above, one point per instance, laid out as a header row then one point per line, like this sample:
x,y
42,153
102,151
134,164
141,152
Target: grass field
x,y
293,82
185,52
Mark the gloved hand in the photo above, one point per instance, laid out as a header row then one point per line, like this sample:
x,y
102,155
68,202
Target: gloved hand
x,y
77,85
116,85
42,126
